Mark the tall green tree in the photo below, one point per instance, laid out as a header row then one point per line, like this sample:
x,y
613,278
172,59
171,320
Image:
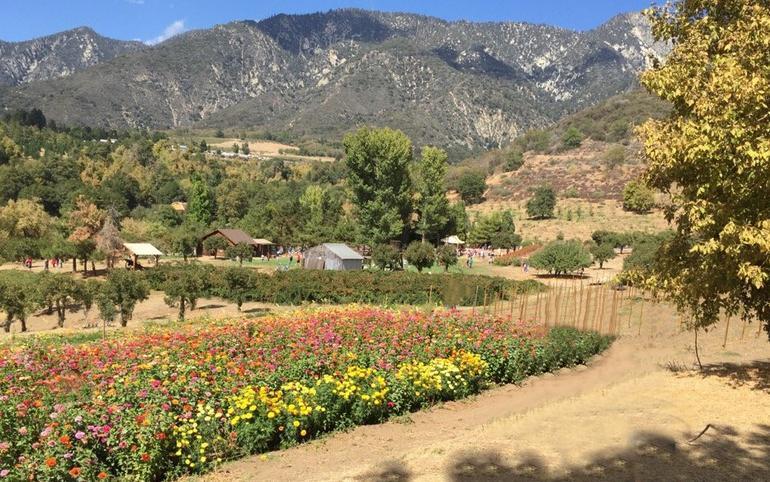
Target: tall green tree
x,y
421,255
432,204
712,156
378,163
200,206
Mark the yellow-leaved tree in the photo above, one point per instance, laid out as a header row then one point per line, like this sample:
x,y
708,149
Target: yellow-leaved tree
x,y
712,155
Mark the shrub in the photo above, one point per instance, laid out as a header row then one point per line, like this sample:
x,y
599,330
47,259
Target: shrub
x,y
561,257
638,198
240,252
542,203
421,255
124,289
572,138
213,244
514,159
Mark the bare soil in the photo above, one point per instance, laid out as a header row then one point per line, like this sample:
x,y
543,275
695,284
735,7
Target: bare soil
x,y
628,416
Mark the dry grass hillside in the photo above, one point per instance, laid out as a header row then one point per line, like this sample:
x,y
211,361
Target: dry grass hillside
x,y
584,173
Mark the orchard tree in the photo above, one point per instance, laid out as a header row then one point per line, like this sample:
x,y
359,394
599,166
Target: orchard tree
x,y
602,253
238,285
420,255
60,292
446,256
184,285
184,239
432,204
18,298
124,289
542,203
712,156
385,256
561,257
378,163
239,252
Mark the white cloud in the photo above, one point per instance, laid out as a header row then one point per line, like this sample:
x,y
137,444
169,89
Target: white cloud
x,y
175,28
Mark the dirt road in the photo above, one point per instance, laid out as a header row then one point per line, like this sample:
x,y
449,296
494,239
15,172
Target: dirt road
x,y
628,416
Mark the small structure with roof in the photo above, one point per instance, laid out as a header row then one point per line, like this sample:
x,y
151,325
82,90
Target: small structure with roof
x,y
332,256
264,247
232,236
141,250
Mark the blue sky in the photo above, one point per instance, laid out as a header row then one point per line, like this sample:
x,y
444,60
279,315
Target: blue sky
x,y
153,20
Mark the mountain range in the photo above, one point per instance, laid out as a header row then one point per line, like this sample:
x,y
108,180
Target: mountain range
x,y
458,84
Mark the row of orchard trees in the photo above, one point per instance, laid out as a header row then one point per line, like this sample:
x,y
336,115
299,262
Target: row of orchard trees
x,y
23,294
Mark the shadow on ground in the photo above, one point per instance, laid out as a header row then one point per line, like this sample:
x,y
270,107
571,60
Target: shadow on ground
x,y
716,455
754,375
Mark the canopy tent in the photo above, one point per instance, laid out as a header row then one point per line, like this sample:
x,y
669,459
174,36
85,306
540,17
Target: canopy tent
x,y
142,249
453,240
332,256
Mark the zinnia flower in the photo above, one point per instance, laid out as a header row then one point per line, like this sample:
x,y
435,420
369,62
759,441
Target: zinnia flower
x,y
50,462
75,471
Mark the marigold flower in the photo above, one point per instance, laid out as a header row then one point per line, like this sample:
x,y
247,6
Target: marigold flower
x,y
75,472
102,475
50,462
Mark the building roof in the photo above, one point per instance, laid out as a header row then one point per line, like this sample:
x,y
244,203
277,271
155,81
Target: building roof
x,y
342,251
262,242
235,236
142,249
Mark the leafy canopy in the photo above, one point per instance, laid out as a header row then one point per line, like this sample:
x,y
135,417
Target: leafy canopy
x,y
712,156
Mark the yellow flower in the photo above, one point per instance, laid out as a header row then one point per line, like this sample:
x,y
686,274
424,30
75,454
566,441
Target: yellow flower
x,y
303,432
295,423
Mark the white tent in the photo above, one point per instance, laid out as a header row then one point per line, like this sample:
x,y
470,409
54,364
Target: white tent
x,y
453,240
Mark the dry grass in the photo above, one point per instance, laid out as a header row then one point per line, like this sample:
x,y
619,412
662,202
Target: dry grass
x,y
269,149
576,218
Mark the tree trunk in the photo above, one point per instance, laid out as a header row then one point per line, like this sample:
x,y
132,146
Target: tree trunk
x,y
74,265
8,322
181,309
60,312
123,319
23,322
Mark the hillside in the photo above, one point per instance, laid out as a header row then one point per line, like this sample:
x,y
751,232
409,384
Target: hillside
x,y
462,85
598,168
58,55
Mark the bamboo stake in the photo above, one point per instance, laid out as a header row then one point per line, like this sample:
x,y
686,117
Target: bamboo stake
x,y
475,300
641,315
743,331
759,328
537,306
512,302
630,306
521,304
546,310
587,308
525,308
485,302
602,296
556,302
577,297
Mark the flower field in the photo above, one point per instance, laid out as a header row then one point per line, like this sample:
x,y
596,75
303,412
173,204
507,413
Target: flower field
x,y
157,405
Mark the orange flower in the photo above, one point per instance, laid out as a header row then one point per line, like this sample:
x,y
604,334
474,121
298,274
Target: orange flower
x,y
50,462
75,471
38,403
145,457
102,475
65,439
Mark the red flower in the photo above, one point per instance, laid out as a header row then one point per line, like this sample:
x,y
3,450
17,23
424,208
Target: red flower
x,y
75,471
102,475
65,439
160,436
50,462
145,457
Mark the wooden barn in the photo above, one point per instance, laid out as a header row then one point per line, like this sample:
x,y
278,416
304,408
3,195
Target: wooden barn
x,y
332,256
231,236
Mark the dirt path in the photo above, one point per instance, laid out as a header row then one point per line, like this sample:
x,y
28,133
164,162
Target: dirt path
x,y
626,417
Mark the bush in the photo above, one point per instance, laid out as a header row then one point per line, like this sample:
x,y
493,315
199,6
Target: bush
x,y
215,243
561,257
514,159
240,252
420,255
542,203
572,138
638,198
